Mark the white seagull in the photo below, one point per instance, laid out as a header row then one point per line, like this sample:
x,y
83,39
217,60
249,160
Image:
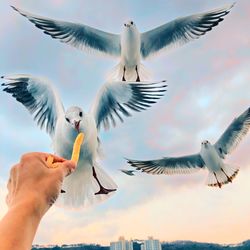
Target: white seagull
x,y
89,183
130,46
210,157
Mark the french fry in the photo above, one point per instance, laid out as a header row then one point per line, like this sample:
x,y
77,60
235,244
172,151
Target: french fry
x,y
75,152
77,147
49,161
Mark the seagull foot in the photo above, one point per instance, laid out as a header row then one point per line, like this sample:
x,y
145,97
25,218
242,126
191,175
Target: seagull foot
x,y
123,76
229,179
218,183
138,78
104,190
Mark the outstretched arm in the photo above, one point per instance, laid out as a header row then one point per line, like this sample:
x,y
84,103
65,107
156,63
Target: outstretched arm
x,y
32,189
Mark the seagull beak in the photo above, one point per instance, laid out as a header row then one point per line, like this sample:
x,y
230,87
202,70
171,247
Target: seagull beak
x,y
77,126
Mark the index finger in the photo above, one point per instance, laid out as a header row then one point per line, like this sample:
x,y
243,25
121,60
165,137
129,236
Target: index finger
x,y
44,158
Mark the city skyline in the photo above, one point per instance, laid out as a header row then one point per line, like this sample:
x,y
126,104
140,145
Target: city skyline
x,y
138,242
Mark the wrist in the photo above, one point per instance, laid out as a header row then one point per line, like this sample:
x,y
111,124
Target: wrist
x,y
31,203
18,226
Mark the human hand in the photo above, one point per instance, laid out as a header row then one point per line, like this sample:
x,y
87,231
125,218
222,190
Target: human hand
x,y
34,185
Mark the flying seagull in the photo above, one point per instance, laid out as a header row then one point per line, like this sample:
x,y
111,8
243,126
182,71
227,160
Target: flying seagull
x,y
89,183
210,157
130,46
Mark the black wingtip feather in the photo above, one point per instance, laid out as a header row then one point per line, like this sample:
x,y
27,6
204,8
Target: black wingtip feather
x,y
13,7
7,90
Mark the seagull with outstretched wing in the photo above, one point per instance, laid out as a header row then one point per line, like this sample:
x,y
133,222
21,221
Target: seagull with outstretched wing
x,y
210,157
130,46
115,100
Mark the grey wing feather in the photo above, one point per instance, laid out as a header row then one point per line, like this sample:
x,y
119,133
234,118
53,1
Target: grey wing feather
x,y
116,99
77,35
128,172
170,165
233,134
38,97
180,31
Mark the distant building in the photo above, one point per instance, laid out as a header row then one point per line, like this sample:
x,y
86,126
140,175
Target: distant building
x,y
121,244
151,244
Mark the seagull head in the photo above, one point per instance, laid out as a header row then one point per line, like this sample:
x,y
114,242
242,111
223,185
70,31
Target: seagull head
x,y
74,116
129,24
205,143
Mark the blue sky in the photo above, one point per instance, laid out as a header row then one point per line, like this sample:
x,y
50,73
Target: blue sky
x,y
208,83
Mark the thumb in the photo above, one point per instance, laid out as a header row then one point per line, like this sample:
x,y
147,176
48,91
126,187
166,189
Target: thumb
x,y
67,167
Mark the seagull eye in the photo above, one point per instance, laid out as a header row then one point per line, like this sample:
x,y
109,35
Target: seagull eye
x,y
67,119
80,114
132,23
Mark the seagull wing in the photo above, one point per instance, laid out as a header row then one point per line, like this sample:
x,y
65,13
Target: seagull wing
x,y
77,35
38,96
170,165
117,99
180,31
233,134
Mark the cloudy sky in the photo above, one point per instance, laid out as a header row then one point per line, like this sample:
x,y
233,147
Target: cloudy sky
x,y
208,86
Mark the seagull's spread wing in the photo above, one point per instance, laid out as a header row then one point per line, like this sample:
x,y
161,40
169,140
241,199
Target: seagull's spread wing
x,y
233,134
78,35
38,97
117,99
170,165
180,31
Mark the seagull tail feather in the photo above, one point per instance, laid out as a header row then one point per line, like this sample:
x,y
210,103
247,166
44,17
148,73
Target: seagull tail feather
x,y
116,74
80,188
223,176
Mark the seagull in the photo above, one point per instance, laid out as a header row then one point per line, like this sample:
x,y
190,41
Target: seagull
x,y
128,172
131,45
89,184
210,157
